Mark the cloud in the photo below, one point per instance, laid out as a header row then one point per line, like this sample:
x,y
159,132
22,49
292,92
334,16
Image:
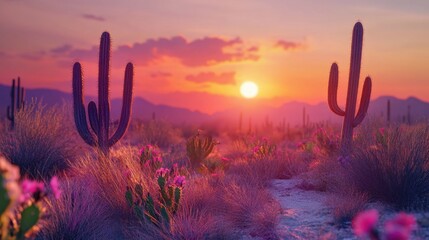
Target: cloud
x,y
288,45
64,49
93,17
205,77
160,74
4,55
205,51
36,56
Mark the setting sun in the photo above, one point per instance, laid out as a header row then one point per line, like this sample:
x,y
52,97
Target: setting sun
x,y
249,89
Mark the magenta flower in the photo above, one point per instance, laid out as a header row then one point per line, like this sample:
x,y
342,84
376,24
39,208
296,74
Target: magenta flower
x,y
364,223
162,172
179,181
150,156
400,227
29,188
225,160
55,187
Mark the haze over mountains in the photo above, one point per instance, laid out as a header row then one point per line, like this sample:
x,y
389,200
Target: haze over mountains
x,y
291,112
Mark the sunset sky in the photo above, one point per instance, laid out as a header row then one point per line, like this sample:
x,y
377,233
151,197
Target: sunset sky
x,y
195,53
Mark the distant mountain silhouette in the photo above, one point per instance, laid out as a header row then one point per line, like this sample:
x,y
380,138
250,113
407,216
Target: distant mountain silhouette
x,y
142,108
291,112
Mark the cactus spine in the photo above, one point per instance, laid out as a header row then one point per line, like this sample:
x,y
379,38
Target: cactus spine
x,y
99,119
350,119
15,98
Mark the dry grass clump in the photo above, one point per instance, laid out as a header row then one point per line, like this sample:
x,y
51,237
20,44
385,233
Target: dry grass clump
x,y
347,204
113,174
43,141
78,214
251,208
394,167
156,132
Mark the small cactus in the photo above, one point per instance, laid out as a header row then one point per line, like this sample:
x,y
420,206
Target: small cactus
x,y
29,218
158,212
99,119
350,119
198,148
16,97
21,203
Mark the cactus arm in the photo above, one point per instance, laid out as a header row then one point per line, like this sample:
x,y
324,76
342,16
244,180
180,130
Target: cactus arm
x,y
79,108
93,118
364,102
103,92
11,108
12,100
126,105
333,90
18,96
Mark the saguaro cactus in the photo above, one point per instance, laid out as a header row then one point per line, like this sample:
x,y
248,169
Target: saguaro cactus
x,y
99,119
17,98
350,119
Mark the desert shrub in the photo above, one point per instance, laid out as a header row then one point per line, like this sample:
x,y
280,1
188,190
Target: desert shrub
x,y
78,214
394,167
261,161
113,174
327,143
346,204
43,141
250,208
156,132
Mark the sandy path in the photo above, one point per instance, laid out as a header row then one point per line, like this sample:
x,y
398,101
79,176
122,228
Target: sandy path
x,y
305,214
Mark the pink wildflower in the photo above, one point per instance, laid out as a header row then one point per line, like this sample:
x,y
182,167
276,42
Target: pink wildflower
x,y
29,188
364,223
55,187
225,160
179,181
162,172
256,150
400,227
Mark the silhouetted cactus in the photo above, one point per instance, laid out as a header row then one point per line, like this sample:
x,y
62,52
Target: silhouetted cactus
x,y
388,112
99,119
16,97
350,119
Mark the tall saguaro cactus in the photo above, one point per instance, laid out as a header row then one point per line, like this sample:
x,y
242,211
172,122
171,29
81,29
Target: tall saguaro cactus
x,y
16,97
351,119
99,118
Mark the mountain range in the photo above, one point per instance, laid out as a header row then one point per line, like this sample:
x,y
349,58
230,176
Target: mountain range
x,y
291,112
